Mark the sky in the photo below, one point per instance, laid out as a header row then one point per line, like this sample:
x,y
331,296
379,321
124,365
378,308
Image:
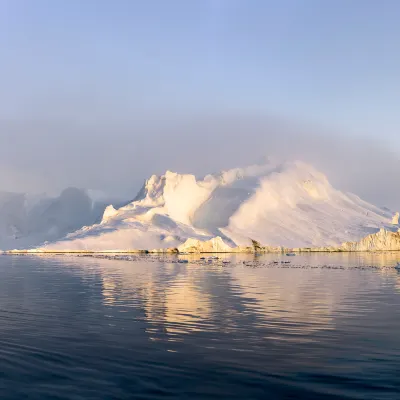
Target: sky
x,y
101,94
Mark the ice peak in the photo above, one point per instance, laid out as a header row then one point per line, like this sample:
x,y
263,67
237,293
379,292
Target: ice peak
x,y
109,212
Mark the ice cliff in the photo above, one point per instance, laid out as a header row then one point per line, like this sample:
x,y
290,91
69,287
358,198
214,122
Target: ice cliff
x,y
381,241
214,245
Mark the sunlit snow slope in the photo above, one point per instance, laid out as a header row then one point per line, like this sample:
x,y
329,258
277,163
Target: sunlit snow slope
x,y
288,204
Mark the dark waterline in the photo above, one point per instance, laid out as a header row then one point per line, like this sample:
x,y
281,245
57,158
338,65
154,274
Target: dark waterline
x,y
83,328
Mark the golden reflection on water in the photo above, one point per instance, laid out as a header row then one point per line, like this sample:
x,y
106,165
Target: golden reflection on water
x,y
179,305
303,298
109,288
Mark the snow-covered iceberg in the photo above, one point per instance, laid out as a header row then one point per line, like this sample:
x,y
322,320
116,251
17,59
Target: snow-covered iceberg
x,y
290,205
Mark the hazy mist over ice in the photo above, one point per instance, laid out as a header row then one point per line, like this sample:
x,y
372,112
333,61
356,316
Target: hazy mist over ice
x,y
116,158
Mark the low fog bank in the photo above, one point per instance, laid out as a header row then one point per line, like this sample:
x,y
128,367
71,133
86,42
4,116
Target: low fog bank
x,y
50,156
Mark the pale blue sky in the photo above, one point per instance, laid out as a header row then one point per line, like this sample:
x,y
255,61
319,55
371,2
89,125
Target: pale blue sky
x,y
92,64
332,62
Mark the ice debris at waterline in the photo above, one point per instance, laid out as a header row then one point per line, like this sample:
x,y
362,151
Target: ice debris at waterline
x,y
214,261
281,206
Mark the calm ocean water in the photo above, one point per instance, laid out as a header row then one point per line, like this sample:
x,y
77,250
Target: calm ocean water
x,y
322,327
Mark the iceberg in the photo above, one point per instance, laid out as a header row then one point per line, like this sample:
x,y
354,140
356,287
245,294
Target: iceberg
x,y
278,205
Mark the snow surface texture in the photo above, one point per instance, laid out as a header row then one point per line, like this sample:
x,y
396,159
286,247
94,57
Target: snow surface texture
x,y
27,221
289,204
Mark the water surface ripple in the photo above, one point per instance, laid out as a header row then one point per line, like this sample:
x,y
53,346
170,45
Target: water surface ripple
x,y
87,328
